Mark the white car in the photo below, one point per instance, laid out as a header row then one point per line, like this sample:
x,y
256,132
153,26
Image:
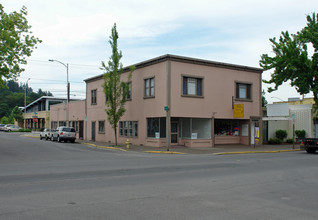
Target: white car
x,y
46,134
10,127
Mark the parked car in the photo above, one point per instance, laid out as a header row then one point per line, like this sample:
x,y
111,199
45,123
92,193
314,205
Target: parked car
x,y
2,127
46,134
63,134
10,127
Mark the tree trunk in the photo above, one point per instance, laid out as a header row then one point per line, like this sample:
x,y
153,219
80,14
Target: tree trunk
x,y
115,130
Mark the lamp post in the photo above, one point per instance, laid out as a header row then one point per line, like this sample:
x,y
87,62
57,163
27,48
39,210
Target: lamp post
x,y
25,89
67,87
278,98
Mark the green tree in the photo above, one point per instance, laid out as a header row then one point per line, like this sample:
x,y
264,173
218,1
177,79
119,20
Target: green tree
x,y
115,89
291,60
16,43
4,120
17,114
264,101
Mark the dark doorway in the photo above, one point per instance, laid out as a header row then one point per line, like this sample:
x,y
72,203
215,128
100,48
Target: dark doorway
x,y
174,132
80,130
93,130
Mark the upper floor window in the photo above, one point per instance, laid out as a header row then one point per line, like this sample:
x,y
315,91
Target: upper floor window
x,y
192,86
94,96
243,91
150,87
129,92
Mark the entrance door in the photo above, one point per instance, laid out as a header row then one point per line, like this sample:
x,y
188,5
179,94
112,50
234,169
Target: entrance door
x,y
93,130
174,132
80,128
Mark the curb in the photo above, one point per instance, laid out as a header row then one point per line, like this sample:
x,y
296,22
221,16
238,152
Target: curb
x,y
104,147
163,152
256,152
30,136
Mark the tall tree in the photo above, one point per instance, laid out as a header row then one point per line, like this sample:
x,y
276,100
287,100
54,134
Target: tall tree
x,y
292,61
115,89
17,114
16,43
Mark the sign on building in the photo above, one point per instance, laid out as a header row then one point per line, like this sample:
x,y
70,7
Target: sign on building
x,y
238,111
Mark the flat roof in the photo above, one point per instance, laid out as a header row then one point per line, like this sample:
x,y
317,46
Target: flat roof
x,y
184,60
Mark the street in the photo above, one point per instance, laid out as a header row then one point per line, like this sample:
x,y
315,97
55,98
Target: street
x,y
49,180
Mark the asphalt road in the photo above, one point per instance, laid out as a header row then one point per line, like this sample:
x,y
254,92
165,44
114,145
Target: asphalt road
x,y
45,180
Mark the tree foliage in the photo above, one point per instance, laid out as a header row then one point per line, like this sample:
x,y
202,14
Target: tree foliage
x,y
292,61
16,43
17,114
115,89
13,94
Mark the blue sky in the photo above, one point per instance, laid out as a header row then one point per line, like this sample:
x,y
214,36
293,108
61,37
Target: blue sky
x,y
77,32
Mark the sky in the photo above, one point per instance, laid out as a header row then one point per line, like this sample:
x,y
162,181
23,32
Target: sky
x,y
77,33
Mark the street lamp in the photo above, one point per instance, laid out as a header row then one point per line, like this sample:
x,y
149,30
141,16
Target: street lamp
x,y
278,98
67,87
25,89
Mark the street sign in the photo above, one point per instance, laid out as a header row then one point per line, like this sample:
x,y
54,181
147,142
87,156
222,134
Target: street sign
x,y
166,108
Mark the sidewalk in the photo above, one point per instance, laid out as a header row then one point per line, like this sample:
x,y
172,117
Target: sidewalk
x,y
217,150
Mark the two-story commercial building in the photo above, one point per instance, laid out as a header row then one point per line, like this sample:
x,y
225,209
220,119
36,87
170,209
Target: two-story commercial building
x,y
186,101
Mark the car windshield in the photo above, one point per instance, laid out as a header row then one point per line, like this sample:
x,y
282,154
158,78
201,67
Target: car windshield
x,y
68,129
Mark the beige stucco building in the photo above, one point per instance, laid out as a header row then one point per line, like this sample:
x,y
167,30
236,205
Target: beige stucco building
x,y
186,101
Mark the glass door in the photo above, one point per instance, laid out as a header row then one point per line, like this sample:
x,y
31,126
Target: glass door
x,y
174,132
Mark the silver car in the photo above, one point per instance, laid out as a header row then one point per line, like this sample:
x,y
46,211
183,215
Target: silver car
x,y
63,134
10,127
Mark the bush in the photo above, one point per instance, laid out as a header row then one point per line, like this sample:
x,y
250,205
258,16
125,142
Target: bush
x,y
281,134
289,140
274,141
300,133
24,130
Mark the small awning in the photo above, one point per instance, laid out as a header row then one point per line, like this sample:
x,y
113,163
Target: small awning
x,y
276,118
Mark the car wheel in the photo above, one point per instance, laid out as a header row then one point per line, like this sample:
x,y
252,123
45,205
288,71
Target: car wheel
x,y
40,137
73,141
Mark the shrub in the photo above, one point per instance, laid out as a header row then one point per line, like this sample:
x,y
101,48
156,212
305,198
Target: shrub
x,y
289,140
274,141
24,130
300,133
281,134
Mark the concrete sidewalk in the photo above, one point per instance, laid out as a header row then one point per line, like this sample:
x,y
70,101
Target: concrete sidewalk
x,y
217,150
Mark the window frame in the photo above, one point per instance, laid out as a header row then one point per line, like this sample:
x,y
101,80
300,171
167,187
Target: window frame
x,y
185,81
99,127
149,88
94,97
248,91
128,129
129,94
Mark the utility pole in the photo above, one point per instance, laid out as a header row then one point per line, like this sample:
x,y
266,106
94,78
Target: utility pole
x,y
25,92
68,90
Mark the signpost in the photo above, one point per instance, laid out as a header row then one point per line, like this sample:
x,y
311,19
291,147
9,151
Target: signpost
x,y
294,118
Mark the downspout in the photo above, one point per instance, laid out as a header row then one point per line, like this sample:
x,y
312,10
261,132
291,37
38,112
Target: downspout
x,y
168,104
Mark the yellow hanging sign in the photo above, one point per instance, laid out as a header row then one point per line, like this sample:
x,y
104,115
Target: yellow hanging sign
x,y
238,111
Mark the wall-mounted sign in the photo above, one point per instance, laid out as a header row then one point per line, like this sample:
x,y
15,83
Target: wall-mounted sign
x,y
238,111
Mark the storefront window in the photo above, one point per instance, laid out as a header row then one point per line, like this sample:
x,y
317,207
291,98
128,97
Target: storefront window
x,y
196,128
227,127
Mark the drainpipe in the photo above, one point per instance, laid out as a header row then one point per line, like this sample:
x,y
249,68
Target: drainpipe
x,y
168,105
